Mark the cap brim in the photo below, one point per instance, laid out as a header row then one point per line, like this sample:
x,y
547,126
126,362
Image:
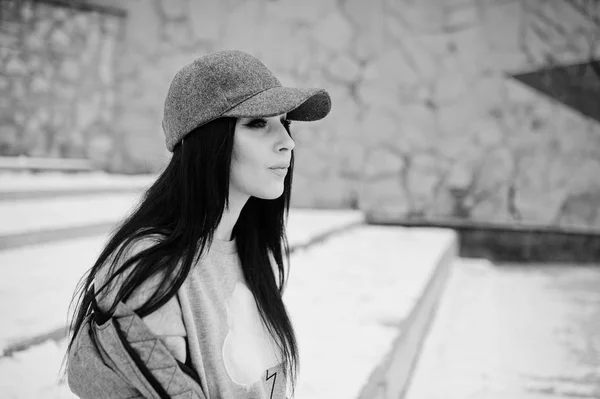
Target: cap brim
x,y
299,104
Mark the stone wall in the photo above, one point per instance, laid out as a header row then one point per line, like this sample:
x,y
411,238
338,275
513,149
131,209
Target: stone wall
x,y
427,122
57,81
465,141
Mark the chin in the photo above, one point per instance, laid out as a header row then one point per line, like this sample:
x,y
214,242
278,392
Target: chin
x,y
272,197
271,194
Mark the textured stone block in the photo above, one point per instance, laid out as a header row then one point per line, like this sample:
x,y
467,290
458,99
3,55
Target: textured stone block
x,y
426,120
334,32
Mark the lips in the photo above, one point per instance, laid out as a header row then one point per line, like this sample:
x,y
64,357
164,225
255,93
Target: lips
x,y
281,172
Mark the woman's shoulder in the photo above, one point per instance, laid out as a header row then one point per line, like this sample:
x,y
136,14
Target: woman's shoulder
x,y
166,321
112,265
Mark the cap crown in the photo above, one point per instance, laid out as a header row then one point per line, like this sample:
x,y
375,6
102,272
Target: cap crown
x,y
209,86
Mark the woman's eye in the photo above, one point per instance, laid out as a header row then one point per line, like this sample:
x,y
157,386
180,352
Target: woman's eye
x,y
257,123
286,123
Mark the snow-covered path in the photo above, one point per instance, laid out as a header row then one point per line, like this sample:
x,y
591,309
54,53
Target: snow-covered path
x,y
21,182
42,278
499,332
513,331
347,295
347,298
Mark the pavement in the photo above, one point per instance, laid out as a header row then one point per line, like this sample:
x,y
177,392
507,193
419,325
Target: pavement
x,y
379,311
51,219
29,185
351,289
54,226
353,296
42,278
33,215
522,331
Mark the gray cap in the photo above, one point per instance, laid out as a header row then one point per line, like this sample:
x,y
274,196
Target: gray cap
x,y
235,84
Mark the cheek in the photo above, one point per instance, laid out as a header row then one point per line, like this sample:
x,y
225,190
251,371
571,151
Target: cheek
x,y
255,180
247,172
243,174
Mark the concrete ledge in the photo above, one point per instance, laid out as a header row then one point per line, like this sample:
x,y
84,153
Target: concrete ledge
x,y
45,164
40,194
514,243
300,238
391,379
18,240
52,184
54,335
60,333
308,226
110,7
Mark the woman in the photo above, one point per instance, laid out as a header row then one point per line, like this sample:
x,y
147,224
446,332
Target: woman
x,y
185,299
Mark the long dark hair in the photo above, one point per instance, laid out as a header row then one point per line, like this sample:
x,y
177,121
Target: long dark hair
x,y
183,207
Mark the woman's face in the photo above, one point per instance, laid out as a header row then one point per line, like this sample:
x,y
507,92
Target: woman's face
x,y
259,145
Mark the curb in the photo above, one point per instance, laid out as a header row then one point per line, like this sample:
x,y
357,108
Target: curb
x,y
60,333
504,242
18,240
55,193
392,377
55,335
319,238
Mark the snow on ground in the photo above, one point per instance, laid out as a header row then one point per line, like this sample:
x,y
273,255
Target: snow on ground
x,y
347,297
500,332
34,373
27,181
51,213
42,278
32,215
513,331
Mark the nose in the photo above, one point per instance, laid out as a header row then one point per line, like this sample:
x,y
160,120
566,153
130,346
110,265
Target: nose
x,y
285,140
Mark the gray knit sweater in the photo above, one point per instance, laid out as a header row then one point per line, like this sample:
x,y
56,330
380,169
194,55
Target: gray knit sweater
x,y
213,325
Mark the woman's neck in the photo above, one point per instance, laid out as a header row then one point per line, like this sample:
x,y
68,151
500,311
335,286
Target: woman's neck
x,y
230,216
